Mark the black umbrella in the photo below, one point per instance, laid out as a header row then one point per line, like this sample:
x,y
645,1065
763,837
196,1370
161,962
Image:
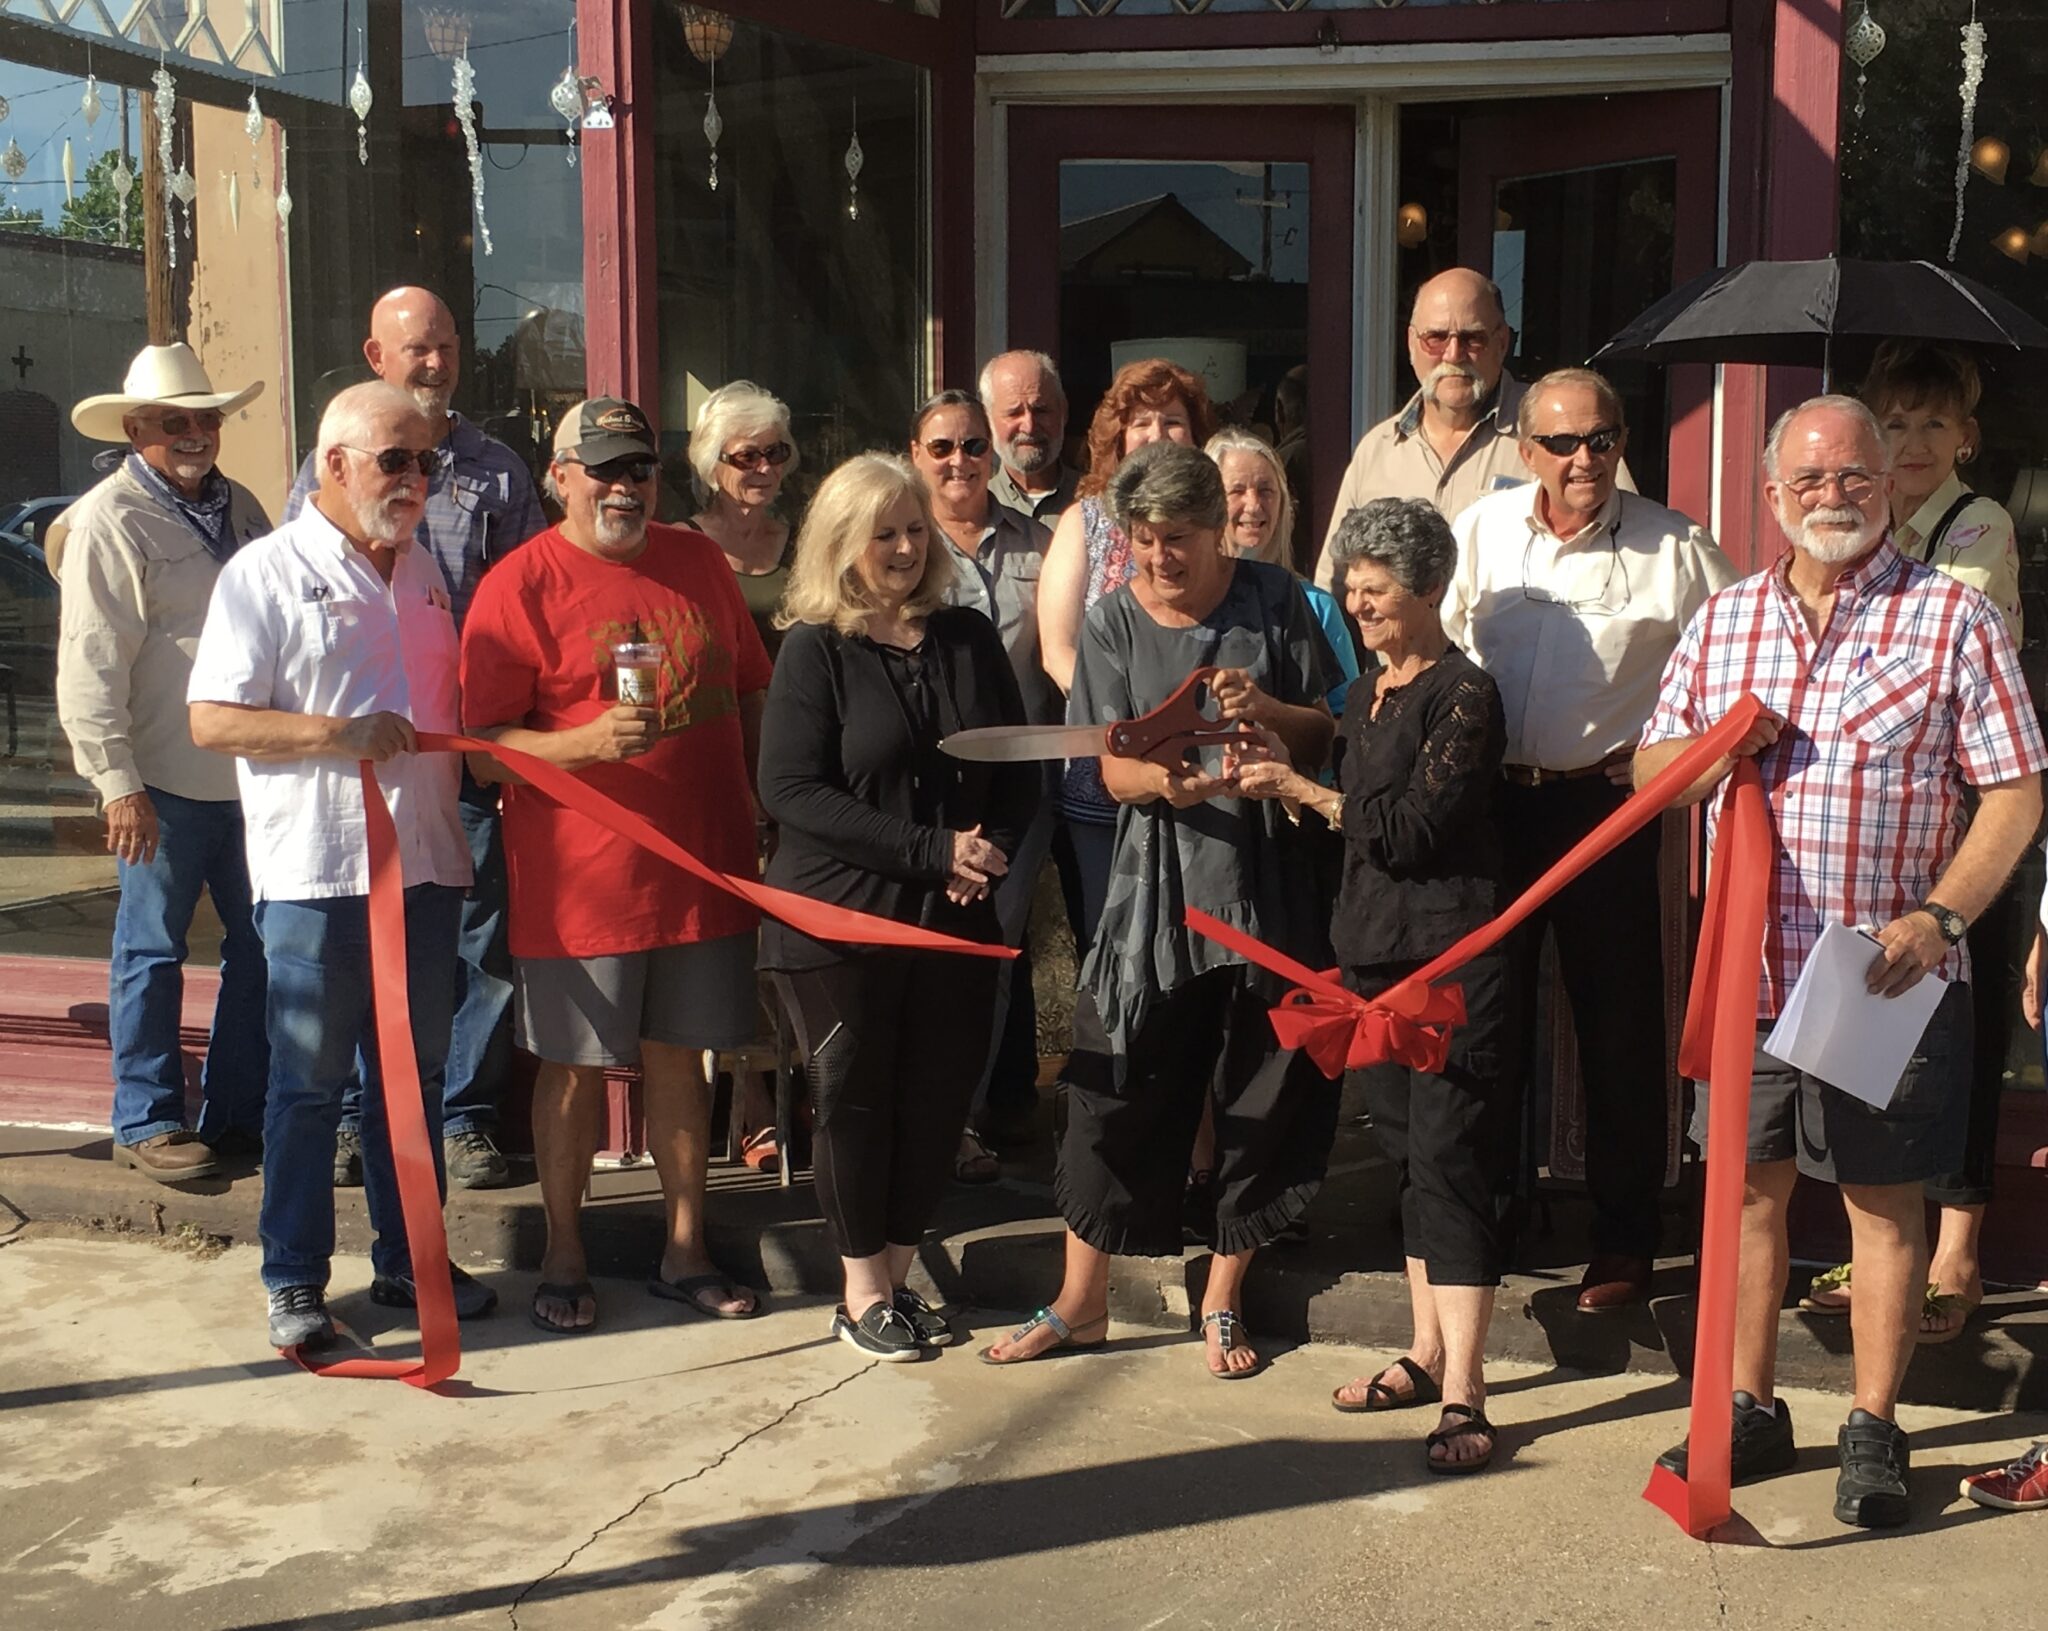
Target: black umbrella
x,y
1789,313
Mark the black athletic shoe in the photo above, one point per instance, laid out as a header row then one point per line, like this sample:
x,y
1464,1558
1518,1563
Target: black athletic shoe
x,y
472,1296
929,1324
1871,1493
880,1333
1762,1442
299,1318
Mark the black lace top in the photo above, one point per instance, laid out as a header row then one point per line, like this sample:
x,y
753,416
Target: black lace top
x,y
1421,815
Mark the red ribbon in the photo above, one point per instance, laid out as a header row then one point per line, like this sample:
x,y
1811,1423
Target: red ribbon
x,y
1410,1024
405,1112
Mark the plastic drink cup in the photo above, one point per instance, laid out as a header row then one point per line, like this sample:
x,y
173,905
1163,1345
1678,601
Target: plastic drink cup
x,y
639,674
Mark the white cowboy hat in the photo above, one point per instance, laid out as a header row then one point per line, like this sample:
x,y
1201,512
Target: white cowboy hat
x,y
161,376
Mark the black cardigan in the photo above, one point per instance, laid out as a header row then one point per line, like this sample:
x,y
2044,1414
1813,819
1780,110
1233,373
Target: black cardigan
x,y
837,767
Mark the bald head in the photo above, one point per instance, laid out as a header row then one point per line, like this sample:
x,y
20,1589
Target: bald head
x,y
412,345
1458,342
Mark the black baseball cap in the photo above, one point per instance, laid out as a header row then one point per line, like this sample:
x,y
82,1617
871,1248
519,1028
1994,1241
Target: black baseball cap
x,y
603,429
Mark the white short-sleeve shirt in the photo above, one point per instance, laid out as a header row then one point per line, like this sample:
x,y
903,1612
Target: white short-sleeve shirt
x,y
301,622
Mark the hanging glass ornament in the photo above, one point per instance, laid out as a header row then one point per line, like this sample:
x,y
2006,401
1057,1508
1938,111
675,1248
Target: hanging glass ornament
x,y
166,103
234,199
855,159
284,190
122,179
90,104
714,125
1973,76
183,188
5,107
465,114
252,121
70,173
1863,40
567,101
14,161
359,100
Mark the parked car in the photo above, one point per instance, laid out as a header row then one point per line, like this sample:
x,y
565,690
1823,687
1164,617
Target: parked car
x,y
21,527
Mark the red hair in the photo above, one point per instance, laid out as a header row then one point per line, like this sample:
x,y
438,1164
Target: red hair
x,y
1153,383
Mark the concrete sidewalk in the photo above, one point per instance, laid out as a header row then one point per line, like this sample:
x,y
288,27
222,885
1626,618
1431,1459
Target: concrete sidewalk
x,y
1000,1247
160,1467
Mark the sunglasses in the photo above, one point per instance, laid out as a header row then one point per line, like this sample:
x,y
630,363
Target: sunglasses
x,y
1565,443
633,467
1436,341
395,461
207,420
941,447
757,458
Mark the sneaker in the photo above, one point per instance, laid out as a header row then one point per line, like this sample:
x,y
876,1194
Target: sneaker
x,y
1871,1493
2019,1486
348,1158
1762,1442
474,1162
929,1324
299,1318
169,1158
880,1333
472,1296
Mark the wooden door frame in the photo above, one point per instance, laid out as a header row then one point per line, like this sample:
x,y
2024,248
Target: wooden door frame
x,y
1576,134
1042,137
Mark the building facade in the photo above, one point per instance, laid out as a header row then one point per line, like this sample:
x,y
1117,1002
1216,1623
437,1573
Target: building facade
x,y
855,201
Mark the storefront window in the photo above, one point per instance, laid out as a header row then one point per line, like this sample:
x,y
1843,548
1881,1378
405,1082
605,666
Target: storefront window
x,y
262,292
1899,159
797,270
1196,8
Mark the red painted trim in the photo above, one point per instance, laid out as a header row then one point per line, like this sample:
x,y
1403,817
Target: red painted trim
x,y
621,345
861,25
1041,138
1581,19
954,211
1570,134
1752,32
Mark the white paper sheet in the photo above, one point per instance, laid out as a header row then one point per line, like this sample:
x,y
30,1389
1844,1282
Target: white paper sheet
x,y
1833,1027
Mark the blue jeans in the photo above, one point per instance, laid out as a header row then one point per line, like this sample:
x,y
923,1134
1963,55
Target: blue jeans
x,y
480,1051
199,845
320,1021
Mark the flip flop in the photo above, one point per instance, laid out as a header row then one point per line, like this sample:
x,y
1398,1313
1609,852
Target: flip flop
x,y
977,1165
1953,1306
763,1151
1829,1292
690,1289
1426,1391
571,1294
1473,1425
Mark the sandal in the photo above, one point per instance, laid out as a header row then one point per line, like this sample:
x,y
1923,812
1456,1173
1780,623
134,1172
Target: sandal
x,y
1472,1425
1061,1330
1952,1309
691,1291
1829,1293
762,1150
1379,1396
976,1163
572,1294
1229,1329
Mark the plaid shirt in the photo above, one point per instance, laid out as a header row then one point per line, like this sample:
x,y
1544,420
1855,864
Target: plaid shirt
x,y
1912,690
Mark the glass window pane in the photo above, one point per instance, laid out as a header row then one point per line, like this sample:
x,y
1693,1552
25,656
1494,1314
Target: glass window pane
x,y
791,247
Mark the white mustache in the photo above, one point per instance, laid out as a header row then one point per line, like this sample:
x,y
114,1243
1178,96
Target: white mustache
x,y
624,506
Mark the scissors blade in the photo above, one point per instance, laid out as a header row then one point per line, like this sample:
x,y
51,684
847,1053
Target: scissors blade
x,y
1006,744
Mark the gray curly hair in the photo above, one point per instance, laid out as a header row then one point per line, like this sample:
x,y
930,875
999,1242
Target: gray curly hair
x,y
1408,537
1167,481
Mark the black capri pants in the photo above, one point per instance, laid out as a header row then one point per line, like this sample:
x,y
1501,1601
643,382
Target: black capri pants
x,y
1131,1121
893,1044
1454,1136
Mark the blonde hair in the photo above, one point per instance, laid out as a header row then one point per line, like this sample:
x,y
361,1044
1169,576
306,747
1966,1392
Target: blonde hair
x,y
825,585
1276,550
741,408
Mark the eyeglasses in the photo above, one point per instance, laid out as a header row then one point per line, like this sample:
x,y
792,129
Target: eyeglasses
x,y
757,458
941,447
633,467
1857,485
1436,341
1603,604
1565,443
395,461
207,420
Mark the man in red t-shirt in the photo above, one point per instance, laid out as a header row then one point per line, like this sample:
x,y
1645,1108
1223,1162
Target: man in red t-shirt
x,y
621,958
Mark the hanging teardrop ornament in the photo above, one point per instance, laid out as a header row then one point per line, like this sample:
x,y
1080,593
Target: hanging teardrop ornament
x,y
1862,42
14,161
5,107
567,100
714,124
252,121
183,188
855,159
359,100
90,104
122,180
70,172
284,189
234,199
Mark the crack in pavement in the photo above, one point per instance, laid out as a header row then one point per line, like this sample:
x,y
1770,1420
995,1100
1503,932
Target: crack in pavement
x,y
723,1456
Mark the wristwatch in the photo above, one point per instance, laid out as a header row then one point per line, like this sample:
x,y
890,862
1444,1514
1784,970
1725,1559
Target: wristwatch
x,y
1951,924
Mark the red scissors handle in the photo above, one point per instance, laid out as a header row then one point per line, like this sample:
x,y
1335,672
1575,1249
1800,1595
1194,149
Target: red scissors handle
x,y
1169,731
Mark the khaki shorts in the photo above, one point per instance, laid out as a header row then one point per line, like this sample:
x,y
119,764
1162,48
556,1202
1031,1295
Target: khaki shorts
x,y
598,1010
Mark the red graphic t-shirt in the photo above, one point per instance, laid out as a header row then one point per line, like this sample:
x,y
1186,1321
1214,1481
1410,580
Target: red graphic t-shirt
x,y
537,651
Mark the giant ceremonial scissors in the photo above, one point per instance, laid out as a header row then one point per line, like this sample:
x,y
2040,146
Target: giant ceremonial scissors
x,y
1180,725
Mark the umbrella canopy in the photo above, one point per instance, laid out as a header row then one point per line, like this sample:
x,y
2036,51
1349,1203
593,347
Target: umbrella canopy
x,y
1788,313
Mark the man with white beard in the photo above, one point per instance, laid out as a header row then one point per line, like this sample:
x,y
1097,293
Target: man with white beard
x,y
329,642
1890,688
607,640
480,506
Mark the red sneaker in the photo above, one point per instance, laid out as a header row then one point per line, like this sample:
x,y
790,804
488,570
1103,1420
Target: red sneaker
x,y
2020,1487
